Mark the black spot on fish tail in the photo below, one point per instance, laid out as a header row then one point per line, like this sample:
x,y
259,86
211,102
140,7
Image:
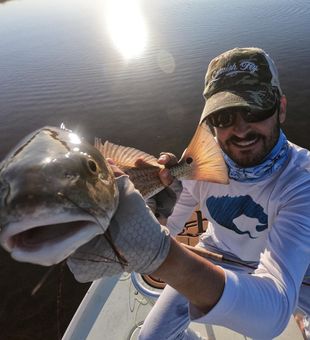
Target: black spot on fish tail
x,y
189,160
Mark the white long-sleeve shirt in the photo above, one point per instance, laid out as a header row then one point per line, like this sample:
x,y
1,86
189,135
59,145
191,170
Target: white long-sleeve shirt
x,y
267,222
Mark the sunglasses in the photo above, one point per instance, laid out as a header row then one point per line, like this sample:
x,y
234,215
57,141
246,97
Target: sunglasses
x,y
227,117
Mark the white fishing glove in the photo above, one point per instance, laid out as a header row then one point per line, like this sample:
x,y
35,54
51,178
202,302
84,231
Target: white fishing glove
x,y
136,234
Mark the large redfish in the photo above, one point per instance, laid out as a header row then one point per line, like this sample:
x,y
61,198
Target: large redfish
x,y
57,191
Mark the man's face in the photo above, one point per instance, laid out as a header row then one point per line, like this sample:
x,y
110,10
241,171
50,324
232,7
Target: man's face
x,y
247,144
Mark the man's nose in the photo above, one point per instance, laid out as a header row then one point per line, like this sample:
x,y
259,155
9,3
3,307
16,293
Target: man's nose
x,y
240,127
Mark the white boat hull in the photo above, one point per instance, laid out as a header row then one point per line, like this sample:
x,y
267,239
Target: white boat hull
x,y
114,309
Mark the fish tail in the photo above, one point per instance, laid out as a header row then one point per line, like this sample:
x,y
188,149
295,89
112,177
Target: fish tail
x,y
205,157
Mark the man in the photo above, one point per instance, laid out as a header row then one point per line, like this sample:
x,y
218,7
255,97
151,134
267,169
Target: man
x,y
261,218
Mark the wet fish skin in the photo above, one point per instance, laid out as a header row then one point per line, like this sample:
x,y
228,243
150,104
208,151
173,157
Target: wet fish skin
x,y
57,193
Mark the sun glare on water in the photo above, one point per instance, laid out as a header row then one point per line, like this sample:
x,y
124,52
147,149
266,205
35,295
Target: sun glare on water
x,y
126,26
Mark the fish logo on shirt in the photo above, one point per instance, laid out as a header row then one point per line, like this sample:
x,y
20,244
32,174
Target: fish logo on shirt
x,y
225,210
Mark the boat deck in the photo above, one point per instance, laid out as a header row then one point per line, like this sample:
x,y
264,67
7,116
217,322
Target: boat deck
x,y
113,309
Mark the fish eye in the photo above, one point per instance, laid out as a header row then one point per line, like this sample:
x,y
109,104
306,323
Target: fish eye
x,y
92,166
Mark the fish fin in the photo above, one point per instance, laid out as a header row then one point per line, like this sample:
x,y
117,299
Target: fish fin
x,y
205,157
125,157
144,175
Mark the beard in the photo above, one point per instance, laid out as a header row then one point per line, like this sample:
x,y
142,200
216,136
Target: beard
x,y
247,158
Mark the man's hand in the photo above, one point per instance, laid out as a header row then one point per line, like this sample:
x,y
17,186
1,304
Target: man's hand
x,y
141,242
162,204
168,160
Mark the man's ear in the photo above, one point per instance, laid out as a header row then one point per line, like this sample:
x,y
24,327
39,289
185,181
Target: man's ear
x,y
282,113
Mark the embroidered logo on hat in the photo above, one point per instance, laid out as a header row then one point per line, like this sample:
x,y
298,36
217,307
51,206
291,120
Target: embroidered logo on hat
x,y
245,66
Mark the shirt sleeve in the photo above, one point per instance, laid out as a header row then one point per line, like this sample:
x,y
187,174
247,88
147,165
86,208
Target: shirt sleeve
x,y
182,210
260,305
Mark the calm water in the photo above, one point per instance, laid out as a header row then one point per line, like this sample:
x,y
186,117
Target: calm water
x,y
131,72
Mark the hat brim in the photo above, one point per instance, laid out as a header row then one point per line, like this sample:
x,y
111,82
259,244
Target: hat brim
x,y
258,99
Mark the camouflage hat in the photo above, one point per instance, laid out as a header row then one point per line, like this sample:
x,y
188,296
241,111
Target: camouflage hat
x,y
244,77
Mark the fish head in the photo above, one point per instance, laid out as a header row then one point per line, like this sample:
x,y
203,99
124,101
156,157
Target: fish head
x,y
57,192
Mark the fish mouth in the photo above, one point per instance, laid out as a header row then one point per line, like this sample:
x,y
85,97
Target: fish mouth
x,y
50,242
